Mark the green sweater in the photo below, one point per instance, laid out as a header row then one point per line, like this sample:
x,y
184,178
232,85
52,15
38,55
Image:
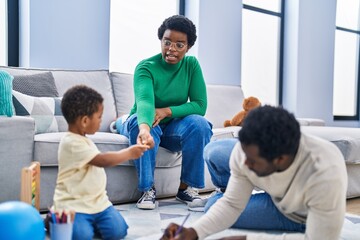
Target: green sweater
x,y
158,84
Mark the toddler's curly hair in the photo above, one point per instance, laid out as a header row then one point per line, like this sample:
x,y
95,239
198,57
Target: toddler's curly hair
x,y
80,101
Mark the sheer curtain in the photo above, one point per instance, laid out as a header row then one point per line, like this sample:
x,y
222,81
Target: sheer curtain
x,y
133,31
3,32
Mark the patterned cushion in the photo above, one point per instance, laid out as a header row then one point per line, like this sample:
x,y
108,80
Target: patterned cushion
x,y
37,85
5,94
45,110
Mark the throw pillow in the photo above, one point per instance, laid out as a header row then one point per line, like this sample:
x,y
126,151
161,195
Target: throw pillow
x,y
37,85
46,112
5,94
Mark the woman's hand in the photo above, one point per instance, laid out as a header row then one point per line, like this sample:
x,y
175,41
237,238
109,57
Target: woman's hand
x,y
160,114
144,137
185,233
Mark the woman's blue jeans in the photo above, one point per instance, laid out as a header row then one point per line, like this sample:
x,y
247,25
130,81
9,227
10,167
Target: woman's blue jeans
x,y
260,212
189,135
109,224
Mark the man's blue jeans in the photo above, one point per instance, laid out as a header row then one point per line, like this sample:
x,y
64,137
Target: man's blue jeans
x,y
109,224
188,135
260,212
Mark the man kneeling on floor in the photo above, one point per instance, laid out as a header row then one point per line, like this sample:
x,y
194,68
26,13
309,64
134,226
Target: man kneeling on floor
x,y
303,179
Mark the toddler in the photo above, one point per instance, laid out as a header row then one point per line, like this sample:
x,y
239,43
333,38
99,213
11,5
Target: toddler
x,y
81,179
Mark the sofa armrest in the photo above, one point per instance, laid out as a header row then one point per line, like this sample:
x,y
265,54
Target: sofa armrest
x,y
311,122
223,103
16,152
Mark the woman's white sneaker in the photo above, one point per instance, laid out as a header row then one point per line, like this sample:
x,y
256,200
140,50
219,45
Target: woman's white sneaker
x,y
198,205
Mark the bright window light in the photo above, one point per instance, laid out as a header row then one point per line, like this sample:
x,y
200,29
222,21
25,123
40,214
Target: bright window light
x,y
347,14
133,31
346,59
345,73
260,56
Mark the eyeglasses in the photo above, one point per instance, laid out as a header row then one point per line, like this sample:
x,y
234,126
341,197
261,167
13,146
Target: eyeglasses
x,y
177,45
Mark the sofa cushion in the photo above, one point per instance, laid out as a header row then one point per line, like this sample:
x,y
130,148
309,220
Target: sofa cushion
x,y
64,79
6,106
311,122
37,85
228,132
47,144
223,103
123,92
46,112
345,138
97,79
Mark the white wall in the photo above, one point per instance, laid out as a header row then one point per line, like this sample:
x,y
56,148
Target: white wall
x,y
129,43
218,47
75,35
64,34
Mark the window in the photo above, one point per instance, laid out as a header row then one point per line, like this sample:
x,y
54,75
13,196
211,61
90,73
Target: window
x,y
262,33
3,32
11,37
346,61
133,31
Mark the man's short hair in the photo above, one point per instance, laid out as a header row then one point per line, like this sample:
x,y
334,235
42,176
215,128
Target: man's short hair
x,y
273,129
80,101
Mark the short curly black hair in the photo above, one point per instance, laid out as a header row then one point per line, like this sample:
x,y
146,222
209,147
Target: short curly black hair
x,y
273,129
179,23
80,101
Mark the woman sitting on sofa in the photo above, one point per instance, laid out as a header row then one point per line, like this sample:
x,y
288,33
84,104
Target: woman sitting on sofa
x,y
170,102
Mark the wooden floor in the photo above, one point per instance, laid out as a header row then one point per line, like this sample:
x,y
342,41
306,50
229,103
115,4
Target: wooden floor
x,y
353,206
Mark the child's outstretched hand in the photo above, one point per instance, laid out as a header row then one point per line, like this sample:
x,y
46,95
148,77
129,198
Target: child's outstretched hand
x,y
137,150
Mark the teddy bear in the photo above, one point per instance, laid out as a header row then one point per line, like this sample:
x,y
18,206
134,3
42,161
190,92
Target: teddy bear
x,y
248,104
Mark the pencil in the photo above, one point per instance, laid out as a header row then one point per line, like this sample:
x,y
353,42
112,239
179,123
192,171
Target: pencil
x,y
182,225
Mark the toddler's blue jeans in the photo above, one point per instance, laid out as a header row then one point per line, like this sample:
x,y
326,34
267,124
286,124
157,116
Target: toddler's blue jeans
x,y
109,224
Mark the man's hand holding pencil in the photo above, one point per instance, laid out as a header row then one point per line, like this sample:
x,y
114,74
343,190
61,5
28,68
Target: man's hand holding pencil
x,y
175,231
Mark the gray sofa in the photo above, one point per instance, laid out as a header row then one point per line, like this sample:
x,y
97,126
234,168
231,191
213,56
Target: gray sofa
x,y
21,142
